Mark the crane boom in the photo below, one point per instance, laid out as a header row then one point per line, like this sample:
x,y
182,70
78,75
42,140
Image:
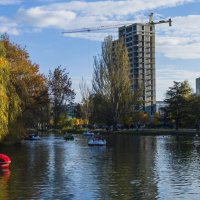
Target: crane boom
x,y
93,28
163,21
90,29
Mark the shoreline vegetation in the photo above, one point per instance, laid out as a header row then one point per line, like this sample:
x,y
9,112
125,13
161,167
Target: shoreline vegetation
x,y
138,132
31,99
157,132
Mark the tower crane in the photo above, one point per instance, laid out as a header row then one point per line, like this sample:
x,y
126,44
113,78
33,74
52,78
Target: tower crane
x,y
106,27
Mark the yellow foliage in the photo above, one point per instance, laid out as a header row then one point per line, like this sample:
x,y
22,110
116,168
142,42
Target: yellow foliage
x,y
4,77
85,121
156,118
75,121
3,62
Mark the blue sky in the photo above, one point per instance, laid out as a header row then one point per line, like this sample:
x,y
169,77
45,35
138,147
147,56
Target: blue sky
x,y
38,25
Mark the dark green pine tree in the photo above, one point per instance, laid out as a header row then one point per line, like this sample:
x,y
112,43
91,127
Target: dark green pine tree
x,y
177,102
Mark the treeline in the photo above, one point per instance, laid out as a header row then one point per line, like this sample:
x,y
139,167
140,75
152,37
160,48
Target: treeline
x,y
111,101
31,100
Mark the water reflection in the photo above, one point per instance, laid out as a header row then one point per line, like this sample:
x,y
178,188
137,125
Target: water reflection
x,y
133,164
4,177
178,168
129,167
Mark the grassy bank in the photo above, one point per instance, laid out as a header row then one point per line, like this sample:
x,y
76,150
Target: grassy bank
x,y
152,132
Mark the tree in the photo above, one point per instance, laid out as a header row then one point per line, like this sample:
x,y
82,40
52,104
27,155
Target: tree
x,y
111,82
10,102
176,101
86,100
194,112
4,76
27,86
60,91
156,119
78,110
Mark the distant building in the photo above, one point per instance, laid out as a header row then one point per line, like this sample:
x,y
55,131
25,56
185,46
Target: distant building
x,y
159,106
71,110
198,86
139,39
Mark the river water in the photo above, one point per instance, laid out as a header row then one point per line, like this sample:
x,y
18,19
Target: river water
x,y
129,167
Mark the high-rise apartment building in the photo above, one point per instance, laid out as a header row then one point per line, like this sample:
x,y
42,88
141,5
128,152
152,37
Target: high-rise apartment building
x,y
198,86
140,42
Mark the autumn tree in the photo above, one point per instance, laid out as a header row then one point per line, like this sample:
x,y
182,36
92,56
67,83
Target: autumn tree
x,y
176,101
111,82
10,101
27,90
4,77
60,91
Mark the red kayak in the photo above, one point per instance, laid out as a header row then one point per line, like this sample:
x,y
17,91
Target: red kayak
x,y
4,161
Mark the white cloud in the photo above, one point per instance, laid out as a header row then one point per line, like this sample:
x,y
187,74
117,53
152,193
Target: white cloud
x,y
7,2
93,13
112,8
43,18
8,26
182,40
168,74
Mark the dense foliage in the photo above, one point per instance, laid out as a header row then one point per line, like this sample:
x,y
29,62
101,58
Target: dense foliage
x,y
178,99
23,88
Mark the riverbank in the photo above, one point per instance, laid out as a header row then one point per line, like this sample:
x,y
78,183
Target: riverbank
x,y
152,132
143,131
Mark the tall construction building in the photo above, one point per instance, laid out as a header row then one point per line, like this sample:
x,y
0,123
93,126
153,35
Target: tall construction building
x,y
139,39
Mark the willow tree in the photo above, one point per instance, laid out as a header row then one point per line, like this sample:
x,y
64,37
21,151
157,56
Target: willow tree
x,y
111,82
4,75
10,102
26,86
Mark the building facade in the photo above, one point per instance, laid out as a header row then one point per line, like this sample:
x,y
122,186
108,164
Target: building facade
x,y
198,86
159,107
140,42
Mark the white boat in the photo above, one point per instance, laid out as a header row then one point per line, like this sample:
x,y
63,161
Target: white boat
x,y
32,137
96,142
88,133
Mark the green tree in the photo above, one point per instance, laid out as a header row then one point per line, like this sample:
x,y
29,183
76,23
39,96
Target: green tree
x,y
176,101
111,82
156,119
62,120
78,110
193,118
60,91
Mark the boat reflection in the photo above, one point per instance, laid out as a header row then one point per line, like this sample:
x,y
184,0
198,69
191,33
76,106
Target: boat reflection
x,y
4,175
